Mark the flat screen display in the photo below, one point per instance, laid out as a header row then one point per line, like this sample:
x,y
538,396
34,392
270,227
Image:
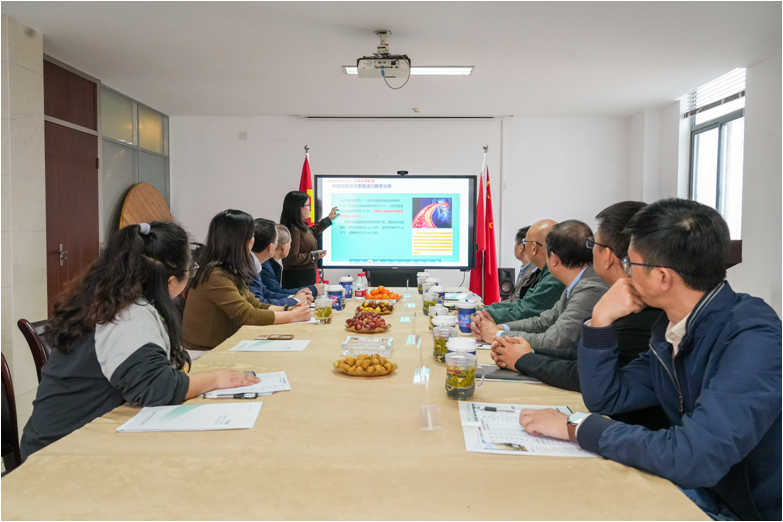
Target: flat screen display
x,y
397,221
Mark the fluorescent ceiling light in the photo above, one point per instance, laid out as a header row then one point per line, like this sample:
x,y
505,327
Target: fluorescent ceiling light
x,y
426,70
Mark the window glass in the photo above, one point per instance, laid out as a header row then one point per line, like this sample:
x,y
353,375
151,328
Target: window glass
x,y
705,167
116,116
720,110
730,204
150,130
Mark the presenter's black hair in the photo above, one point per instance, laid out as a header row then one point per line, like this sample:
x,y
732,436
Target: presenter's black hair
x,y
691,238
611,224
226,248
291,216
568,240
265,234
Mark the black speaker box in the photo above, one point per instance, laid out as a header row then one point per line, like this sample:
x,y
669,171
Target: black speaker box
x,y
506,282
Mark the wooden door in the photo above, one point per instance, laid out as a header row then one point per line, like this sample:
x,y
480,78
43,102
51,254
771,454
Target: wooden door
x,y
71,205
70,104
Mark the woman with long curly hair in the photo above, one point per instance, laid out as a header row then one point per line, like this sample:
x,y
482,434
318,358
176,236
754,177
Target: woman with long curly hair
x,y
219,300
116,337
300,264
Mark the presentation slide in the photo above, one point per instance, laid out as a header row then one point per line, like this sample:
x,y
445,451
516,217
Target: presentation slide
x,y
417,221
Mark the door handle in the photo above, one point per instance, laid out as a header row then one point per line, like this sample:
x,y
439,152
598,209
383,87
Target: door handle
x,y
63,255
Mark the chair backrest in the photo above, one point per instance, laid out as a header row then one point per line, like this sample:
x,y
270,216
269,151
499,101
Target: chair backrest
x,y
12,455
41,350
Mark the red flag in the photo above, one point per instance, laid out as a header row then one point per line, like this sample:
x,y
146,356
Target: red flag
x,y
306,185
491,282
477,272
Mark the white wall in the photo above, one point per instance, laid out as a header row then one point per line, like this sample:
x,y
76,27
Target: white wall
x,y
759,274
212,169
558,168
562,168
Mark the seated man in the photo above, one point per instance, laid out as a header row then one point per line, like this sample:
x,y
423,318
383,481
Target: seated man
x,y
264,245
610,246
714,365
556,331
271,269
529,274
548,289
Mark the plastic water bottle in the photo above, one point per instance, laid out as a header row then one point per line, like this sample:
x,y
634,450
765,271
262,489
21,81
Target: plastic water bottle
x,y
360,289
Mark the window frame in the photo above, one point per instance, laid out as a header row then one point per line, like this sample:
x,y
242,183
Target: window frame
x,y
719,122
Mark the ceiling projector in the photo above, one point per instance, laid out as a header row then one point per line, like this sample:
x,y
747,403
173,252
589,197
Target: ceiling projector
x,y
382,64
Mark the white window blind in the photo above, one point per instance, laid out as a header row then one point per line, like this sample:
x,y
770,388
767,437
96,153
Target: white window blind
x,y
729,87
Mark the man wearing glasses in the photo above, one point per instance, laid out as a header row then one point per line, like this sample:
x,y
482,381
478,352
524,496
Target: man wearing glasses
x,y
714,365
543,296
556,331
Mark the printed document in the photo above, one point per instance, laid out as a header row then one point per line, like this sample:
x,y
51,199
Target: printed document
x,y
270,383
270,346
500,432
194,417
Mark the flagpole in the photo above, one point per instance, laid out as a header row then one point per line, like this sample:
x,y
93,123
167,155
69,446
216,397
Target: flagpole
x,y
483,252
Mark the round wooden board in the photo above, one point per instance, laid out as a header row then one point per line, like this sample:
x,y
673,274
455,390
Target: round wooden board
x,y
144,204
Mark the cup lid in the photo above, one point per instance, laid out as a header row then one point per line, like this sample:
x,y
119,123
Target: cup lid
x,y
461,344
438,309
432,280
346,278
438,289
335,288
466,304
449,320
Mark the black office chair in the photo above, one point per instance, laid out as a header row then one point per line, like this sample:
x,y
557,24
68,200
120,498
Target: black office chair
x,y
12,455
33,333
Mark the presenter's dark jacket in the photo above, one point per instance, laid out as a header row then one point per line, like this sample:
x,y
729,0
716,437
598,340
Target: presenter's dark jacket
x,y
633,334
721,392
216,309
302,243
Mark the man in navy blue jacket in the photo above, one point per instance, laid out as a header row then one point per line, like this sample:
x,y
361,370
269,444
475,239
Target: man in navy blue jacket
x,y
264,245
271,270
714,365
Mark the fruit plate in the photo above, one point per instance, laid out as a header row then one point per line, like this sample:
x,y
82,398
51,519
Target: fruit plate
x,y
376,330
359,372
359,309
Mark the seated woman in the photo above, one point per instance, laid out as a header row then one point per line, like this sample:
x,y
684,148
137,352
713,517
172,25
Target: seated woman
x,y
116,334
219,301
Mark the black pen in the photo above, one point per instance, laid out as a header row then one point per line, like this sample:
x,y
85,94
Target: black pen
x,y
493,408
231,396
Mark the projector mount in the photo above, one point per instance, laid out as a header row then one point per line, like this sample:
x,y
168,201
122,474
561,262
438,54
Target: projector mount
x,y
383,64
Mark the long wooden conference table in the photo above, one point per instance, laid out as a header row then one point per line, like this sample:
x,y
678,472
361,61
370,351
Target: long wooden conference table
x,y
334,447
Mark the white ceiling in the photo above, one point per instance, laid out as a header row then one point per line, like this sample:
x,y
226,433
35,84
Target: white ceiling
x,y
283,58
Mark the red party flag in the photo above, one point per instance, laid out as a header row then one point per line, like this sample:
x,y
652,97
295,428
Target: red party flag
x,y
477,272
491,281
306,185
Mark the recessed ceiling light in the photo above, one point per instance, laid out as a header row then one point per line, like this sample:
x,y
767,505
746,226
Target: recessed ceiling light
x,y
426,70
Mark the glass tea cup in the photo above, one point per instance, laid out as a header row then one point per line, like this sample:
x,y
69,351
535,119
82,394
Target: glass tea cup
x,y
461,375
323,310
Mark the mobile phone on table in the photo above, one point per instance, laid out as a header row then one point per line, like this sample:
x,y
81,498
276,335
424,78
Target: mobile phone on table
x,y
275,337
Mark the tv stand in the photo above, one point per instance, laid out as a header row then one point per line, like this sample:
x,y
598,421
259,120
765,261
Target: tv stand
x,y
392,276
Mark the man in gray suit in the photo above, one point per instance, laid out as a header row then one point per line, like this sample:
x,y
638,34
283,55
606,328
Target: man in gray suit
x,y
556,331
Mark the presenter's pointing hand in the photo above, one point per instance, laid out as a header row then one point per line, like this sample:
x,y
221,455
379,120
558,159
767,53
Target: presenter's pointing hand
x,y
334,213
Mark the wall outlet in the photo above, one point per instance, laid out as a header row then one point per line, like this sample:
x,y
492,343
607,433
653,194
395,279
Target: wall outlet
x,y
243,135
